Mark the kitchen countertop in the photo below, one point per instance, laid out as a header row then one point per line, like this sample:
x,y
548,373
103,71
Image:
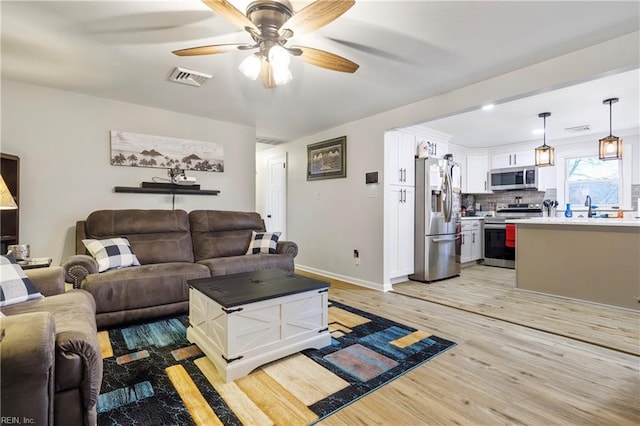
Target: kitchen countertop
x,y
633,223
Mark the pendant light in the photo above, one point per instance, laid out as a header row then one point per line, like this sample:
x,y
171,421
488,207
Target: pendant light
x,y
611,146
545,155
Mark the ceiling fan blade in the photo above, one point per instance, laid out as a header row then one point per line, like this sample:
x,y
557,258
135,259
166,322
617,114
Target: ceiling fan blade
x,y
229,12
315,16
324,59
209,50
267,75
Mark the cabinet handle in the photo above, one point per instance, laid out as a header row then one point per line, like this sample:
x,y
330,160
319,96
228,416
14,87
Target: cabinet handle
x,y
515,161
485,185
404,195
400,179
404,175
473,238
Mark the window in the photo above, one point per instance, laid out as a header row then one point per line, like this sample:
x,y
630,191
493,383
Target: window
x,y
601,180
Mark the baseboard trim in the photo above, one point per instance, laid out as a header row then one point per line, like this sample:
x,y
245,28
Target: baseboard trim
x,y
346,279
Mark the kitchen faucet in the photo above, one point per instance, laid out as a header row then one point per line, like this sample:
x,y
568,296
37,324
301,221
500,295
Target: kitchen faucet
x,y
587,202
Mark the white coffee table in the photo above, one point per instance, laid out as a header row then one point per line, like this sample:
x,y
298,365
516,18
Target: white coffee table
x,y
243,321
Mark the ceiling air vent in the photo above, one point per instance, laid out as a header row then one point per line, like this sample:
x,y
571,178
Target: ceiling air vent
x,y
190,77
268,141
578,129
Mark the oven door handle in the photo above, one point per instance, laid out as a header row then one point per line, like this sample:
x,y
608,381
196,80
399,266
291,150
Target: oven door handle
x,y
494,226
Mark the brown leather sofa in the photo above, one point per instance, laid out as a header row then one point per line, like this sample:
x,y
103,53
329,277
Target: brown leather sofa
x,y
173,246
50,360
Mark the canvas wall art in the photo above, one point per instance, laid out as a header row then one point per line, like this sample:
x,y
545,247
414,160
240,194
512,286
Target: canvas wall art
x,y
139,150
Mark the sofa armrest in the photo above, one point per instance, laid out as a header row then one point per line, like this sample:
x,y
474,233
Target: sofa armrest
x,y
287,247
48,281
78,348
27,367
77,267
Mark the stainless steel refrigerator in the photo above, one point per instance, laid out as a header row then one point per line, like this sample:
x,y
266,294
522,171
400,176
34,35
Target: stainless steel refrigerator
x,y
437,220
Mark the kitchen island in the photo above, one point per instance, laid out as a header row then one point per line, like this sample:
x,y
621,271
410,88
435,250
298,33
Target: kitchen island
x,y
589,259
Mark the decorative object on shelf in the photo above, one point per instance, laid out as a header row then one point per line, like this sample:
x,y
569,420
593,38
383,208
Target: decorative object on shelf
x,y
6,198
20,251
427,149
567,211
545,155
611,146
138,150
327,159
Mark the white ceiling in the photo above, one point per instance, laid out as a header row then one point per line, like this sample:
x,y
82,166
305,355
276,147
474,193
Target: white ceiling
x,y
407,51
570,107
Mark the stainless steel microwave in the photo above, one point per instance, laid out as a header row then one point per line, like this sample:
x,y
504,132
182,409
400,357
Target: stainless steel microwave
x,y
513,178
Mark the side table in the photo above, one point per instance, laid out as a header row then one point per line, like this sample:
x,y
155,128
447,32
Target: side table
x,y
36,262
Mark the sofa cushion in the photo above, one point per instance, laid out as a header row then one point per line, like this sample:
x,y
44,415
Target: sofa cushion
x,y
218,233
15,287
142,286
111,253
263,242
238,264
156,236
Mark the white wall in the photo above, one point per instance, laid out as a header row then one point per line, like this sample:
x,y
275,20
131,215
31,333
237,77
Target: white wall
x,y
330,218
63,142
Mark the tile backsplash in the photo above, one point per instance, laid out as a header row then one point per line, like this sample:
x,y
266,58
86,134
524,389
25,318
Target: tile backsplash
x,y
529,197
508,197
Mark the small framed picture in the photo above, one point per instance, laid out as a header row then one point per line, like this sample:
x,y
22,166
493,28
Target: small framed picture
x,y
327,159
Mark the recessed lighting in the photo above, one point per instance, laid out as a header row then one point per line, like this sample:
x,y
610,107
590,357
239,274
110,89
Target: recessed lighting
x,y
488,107
537,131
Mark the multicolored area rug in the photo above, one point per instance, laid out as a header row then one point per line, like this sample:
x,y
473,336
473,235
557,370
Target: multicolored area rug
x,y
154,376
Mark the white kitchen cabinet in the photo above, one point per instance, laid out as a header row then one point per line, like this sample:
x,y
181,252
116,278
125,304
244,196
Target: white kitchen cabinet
x,y
461,158
513,159
400,233
471,249
476,176
400,153
546,178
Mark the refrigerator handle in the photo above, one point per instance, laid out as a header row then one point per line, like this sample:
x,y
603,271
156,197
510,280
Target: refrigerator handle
x,y
439,240
448,194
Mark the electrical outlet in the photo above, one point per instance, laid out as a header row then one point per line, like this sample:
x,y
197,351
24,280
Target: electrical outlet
x,y
356,256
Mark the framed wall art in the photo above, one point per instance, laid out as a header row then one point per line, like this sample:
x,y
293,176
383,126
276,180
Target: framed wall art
x,y
327,159
138,150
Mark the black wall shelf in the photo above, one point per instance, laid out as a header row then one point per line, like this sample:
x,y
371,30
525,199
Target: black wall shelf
x,y
181,191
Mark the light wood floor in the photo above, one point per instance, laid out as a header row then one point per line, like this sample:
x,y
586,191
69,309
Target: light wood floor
x,y
491,291
500,372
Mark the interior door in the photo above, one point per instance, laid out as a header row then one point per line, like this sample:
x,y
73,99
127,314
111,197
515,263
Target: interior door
x,y
276,217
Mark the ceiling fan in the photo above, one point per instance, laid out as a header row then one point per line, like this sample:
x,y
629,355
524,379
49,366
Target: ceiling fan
x,y
271,23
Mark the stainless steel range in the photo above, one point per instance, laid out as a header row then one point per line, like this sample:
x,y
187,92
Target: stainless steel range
x,y
496,250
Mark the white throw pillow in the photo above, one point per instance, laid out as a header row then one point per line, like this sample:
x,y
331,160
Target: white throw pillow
x,y
263,242
111,253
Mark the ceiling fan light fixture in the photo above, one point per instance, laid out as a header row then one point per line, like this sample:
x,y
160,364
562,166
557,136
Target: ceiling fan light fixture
x,y
281,75
251,66
545,154
279,57
610,148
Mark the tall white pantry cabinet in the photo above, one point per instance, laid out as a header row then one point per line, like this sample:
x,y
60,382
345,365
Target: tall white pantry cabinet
x,y
399,189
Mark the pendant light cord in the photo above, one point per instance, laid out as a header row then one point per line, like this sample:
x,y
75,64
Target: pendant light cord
x,y
610,128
